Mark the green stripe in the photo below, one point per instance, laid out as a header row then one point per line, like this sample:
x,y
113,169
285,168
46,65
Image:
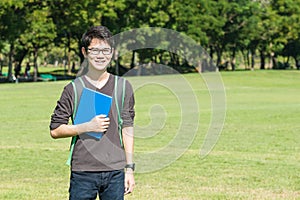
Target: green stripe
x,y
123,94
75,100
74,138
118,110
80,79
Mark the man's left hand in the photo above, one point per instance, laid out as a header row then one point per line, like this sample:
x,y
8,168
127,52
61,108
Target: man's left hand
x,y
129,181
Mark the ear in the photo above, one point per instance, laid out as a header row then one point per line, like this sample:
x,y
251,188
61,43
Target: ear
x,y
83,51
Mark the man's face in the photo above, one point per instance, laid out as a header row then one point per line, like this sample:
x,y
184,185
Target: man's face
x,y
99,54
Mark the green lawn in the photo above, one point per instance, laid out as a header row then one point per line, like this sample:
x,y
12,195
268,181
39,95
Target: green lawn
x,y
256,157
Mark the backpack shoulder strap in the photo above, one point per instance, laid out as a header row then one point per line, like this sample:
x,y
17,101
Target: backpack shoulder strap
x,y
78,86
119,97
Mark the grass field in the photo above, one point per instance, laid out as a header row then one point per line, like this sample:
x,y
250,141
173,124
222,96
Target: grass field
x,y
256,157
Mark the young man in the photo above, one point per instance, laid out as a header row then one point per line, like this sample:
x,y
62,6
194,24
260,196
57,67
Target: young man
x,y
98,166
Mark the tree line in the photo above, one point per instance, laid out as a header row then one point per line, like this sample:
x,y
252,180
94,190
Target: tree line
x,y
259,30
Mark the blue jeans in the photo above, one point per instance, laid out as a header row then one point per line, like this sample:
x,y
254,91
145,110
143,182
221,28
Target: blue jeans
x,y
86,185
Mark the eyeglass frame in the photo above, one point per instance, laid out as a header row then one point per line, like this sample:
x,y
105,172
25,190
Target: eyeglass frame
x,y
100,50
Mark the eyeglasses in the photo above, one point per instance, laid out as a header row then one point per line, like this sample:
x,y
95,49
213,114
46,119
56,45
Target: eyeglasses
x,y
106,51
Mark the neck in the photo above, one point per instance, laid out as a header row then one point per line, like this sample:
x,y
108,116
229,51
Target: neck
x,y
97,75
97,79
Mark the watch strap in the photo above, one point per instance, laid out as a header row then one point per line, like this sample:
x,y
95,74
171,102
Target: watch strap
x,y
131,166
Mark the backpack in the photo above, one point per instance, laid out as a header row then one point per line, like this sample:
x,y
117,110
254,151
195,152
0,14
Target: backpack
x,y
118,99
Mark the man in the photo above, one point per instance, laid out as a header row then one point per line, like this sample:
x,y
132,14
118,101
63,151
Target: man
x,y
98,166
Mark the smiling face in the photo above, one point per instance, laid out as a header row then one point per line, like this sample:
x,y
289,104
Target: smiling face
x,y
98,54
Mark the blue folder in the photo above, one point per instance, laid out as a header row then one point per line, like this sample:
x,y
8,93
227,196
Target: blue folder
x,y
92,103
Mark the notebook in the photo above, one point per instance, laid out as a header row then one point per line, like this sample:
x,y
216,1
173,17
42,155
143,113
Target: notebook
x,y
92,103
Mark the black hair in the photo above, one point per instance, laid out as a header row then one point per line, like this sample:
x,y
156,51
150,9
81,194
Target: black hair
x,y
99,32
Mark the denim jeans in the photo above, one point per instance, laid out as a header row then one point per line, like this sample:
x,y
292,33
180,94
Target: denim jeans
x,y
86,185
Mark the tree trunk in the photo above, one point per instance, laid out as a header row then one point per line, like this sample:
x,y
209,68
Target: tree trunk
x,y
219,57
1,65
246,59
10,62
132,60
297,63
232,60
211,52
273,59
69,54
69,61
35,64
252,59
262,60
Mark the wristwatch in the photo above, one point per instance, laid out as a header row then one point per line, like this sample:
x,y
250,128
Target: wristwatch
x,y
130,166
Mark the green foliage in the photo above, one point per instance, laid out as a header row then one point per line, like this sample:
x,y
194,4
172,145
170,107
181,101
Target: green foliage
x,y
223,27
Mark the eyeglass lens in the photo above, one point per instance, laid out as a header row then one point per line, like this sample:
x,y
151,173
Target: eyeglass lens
x,y
105,51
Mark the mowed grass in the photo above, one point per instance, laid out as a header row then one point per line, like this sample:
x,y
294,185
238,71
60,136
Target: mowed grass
x,y
257,155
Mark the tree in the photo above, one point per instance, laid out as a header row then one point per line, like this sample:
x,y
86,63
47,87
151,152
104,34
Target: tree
x,y
40,31
223,27
12,24
73,18
289,31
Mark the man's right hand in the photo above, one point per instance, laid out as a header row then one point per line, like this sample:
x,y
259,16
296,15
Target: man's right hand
x,y
99,123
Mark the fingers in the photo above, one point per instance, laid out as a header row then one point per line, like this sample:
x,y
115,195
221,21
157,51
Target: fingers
x,y
103,122
129,183
104,125
128,189
100,123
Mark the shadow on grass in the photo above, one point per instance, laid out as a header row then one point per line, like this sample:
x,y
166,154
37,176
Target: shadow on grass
x,y
56,75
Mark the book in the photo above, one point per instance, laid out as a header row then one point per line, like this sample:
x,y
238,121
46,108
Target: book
x,y
92,103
